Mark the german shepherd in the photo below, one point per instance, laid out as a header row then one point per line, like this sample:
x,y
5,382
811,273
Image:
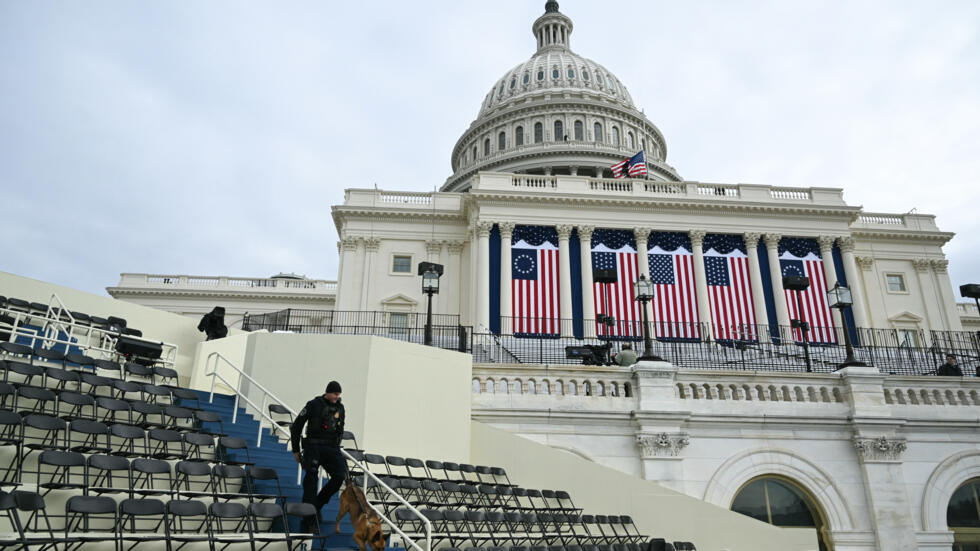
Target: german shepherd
x,y
368,528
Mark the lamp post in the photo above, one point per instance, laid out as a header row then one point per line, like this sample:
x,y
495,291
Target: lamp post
x,y
430,273
643,291
971,290
840,297
800,284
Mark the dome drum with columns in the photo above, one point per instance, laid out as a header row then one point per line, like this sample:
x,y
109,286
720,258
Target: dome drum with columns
x,y
557,113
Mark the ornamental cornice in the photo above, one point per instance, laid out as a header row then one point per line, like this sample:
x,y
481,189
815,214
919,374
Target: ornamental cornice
x,y
249,293
930,237
662,444
376,212
880,449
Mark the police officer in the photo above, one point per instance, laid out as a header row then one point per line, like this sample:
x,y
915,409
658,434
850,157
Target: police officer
x,y
324,419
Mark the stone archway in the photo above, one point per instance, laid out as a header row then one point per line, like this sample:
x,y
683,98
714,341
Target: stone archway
x,y
747,465
948,475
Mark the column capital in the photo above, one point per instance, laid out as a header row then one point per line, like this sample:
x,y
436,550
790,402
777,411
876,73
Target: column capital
x,y
846,244
585,232
880,449
506,229
662,444
372,244
826,242
940,265
697,237
564,231
772,240
642,234
350,243
921,264
751,238
433,246
865,262
455,247
482,228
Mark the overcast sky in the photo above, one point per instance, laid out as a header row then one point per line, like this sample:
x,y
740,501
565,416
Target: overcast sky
x,y
212,137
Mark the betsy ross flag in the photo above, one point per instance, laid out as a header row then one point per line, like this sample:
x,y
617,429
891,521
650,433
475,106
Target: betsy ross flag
x,y
634,166
675,306
534,281
616,250
801,257
726,267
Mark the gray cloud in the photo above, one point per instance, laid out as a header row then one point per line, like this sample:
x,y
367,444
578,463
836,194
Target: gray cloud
x,y
213,137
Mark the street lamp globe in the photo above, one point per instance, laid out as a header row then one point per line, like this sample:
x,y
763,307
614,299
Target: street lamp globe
x,y
643,288
430,282
839,296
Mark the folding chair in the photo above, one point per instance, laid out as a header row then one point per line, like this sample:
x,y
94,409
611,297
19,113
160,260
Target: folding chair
x,y
307,516
157,394
144,412
397,462
448,467
202,416
178,418
195,443
268,514
230,482
11,436
229,444
95,382
80,362
467,469
127,441
16,350
64,378
60,470
49,355
7,393
418,465
108,474
151,477
43,432
186,522
124,390
165,444
110,366
76,403
349,436
33,505
92,519
84,436
141,521
132,370
277,409
193,480
25,372
45,401
435,469
185,395
164,374
264,484
114,411
228,523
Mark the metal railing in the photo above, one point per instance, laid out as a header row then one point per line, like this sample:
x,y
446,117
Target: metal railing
x,y
268,397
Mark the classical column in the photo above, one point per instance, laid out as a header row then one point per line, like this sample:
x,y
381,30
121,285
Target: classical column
x,y
433,249
452,278
855,281
348,286
776,272
371,246
944,287
642,236
564,280
483,276
700,280
826,243
755,279
506,235
588,304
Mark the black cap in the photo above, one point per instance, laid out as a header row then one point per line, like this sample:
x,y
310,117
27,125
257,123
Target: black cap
x,y
333,387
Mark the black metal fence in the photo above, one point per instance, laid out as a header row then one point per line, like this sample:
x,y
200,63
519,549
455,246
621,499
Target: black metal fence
x,y
692,345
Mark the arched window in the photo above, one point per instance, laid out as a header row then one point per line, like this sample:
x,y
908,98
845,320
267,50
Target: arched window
x,y
540,74
538,132
527,78
491,386
630,140
579,131
571,73
501,141
615,135
643,143
502,386
531,389
513,83
555,73
474,152
963,517
585,74
597,133
559,131
780,502
486,147
519,135
476,386
598,78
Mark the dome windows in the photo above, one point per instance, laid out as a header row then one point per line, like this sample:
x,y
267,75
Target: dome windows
x,y
571,73
598,78
500,93
615,136
519,135
538,132
527,78
559,131
513,83
585,74
597,132
630,140
579,131
502,141
486,147
474,153
555,73
540,74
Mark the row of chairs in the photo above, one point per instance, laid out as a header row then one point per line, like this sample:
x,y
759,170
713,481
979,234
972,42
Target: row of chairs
x,y
453,495
410,467
497,528
75,361
135,521
102,474
656,544
39,311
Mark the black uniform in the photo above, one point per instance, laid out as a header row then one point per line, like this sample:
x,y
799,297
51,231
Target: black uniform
x,y
948,370
321,448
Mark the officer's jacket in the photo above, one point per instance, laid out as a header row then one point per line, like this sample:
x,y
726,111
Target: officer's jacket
x,y
324,423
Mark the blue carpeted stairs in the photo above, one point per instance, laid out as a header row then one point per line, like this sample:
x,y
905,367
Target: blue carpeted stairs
x,y
276,455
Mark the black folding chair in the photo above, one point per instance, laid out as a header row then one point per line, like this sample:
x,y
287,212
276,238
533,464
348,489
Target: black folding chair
x,y
63,377
307,517
230,482
87,436
95,382
185,395
229,444
147,415
202,416
7,393
24,371
125,390
228,523
80,362
187,522
132,370
193,480
114,369
152,477
43,432
45,401
178,418
11,436
157,394
164,374
165,444
141,521
268,514
128,441
71,405
263,483
92,519
115,411
32,504
199,447
60,470
108,474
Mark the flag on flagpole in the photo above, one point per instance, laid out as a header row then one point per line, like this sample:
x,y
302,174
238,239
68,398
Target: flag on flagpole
x,y
634,166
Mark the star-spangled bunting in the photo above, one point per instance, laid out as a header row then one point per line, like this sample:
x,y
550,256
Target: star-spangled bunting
x,y
675,307
801,257
535,281
616,250
729,287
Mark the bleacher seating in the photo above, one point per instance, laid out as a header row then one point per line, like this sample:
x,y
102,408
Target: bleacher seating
x,y
98,451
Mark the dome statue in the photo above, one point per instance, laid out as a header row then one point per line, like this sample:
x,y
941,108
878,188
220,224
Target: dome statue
x,y
557,113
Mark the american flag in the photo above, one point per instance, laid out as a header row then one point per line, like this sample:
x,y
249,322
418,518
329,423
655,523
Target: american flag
x,y
616,250
534,283
634,166
801,257
675,306
726,267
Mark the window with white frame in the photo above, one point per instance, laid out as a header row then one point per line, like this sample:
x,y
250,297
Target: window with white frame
x,y
398,323
896,283
401,264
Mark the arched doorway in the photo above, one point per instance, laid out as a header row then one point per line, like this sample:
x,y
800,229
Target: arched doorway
x,y
963,516
780,502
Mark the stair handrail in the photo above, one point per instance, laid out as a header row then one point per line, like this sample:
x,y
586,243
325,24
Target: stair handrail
x,y
269,395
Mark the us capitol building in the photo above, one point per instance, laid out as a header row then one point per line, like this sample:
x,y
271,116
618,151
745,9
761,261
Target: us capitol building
x,y
872,457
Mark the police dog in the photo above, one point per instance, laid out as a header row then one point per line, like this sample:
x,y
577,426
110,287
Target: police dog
x,y
367,526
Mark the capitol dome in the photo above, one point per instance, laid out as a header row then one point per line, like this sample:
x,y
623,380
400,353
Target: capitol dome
x,y
557,113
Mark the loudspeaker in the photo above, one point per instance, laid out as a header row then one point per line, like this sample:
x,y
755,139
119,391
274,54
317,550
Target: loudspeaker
x,y
970,290
132,347
604,276
424,267
796,283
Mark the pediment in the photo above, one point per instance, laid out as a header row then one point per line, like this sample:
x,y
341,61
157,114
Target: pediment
x,y
905,317
400,300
